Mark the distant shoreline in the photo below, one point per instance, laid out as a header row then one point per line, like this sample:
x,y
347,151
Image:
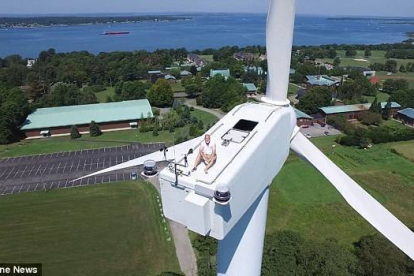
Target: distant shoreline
x,y
42,22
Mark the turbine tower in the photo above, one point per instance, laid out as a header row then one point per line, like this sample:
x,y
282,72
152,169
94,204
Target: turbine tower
x,y
253,142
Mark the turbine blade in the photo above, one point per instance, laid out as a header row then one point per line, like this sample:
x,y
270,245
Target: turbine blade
x,y
357,197
279,39
158,156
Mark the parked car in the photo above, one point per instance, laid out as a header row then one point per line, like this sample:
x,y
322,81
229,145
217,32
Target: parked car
x,y
323,125
305,126
326,133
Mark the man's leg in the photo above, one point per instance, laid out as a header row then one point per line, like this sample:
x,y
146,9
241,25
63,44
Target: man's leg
x,y
211,163
198,161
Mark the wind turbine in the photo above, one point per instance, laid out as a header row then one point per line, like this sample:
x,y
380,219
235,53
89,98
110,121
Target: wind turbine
x,y
253,142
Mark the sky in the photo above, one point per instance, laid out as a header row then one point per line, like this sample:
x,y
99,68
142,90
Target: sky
x,y
403,8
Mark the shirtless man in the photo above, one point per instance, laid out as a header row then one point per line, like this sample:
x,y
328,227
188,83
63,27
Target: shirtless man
x,y
206,154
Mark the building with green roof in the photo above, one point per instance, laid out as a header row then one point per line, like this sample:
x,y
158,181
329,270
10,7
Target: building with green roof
x,y
109,116
352,111
251,88
223,72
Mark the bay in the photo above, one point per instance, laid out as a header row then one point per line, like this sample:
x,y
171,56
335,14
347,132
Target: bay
x,y
201,32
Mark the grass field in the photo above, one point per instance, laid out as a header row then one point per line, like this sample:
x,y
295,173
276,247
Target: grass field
x,y
208,58
303,200
108,229
177,87
376,57
293,89
108,139
102,96
382,97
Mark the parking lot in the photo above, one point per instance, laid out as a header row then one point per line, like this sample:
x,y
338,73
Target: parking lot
x,y
57,170
318,131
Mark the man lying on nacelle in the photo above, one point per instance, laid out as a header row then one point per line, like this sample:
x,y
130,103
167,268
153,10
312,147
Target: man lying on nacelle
x,y
206,154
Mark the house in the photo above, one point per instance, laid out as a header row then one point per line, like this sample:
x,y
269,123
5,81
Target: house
x,y
251,89
365,71
375,80
406,116
171,79
303,119
243,56
185,73
57,121
30,63
223,72
301,94
154,75
196,60
258,70
352,111
321,80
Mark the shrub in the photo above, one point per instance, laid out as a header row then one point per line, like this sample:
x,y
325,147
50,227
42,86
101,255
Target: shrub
x,y
94,129
368,118
74,133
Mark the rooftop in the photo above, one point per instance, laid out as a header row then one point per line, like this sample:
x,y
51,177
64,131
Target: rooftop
x,y
321,80
83,114
301,114
353,108
223,72
409,112
250,87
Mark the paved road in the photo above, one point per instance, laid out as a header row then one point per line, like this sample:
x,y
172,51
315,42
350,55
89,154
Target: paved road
x,y
57,170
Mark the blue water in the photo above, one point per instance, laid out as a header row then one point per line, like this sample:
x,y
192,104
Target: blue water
x,y
203,31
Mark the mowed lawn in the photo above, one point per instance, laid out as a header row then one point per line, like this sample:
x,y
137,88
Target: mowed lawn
x,y
303,200
103,95
108,229
107,139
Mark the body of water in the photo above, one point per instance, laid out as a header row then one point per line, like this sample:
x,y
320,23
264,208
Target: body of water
x,y
203,31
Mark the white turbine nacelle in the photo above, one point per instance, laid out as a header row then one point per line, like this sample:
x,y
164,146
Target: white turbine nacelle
x,y
252,144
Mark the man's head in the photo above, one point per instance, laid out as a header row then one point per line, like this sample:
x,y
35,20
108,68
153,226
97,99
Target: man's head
x,y
207,139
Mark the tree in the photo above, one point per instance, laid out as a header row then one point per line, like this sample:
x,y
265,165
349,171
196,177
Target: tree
x,y
64,95
392,85
74,133
386,112
193,70
337,61
200,125
367,52
403,69
161,94
155,131
375,108
94,129
350,52
14,109
176,73
391,66
332,53
288,253
378,256
221,93
130,90
404,97
317,97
